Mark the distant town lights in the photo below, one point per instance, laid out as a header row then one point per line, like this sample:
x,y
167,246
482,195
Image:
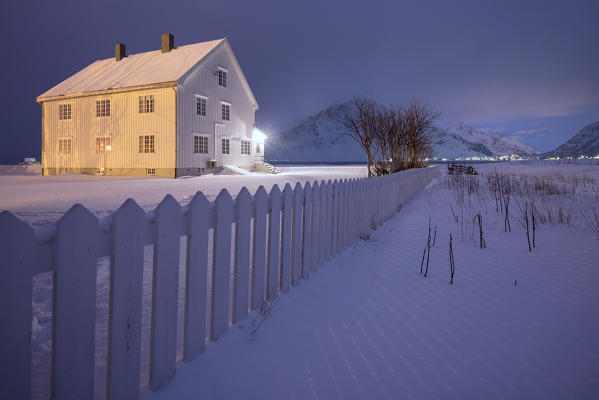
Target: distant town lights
x,y
259,136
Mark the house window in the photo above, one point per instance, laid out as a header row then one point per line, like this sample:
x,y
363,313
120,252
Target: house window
x,y
103,144
225,146
225,113
103,108
150,171
146,104
200,144
258,150
64,111
201,106
222,77
147,144
65,146
245,147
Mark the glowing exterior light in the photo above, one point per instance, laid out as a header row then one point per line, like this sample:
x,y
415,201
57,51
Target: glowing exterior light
x,y
259,136
109,147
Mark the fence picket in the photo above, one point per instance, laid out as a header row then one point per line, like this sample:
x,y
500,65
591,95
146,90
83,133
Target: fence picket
x,y
165,288
194,327
330,220
315,239
324,199
296,234
340,219
126,276
306,239
74,305
274,232
16,248
241,268
221,265
258,278
287,218
334,219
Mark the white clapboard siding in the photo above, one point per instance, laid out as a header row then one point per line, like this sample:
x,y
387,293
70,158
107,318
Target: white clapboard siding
x,y
274,232
219,315
315,240
126,276
74,305
241,269
296,234
289,241
16,250
194,335
287,218
165,287
306,256
258,278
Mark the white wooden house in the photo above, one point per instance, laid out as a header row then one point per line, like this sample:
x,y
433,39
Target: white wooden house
x,y
175,111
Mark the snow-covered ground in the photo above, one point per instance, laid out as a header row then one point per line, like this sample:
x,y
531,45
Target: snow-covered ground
x,y
515,324
43,199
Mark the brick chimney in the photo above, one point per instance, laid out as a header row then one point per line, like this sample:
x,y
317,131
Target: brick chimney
x,y
168,42
120,52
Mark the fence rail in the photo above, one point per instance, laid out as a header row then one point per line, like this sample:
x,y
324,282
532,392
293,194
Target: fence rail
x,y
35,169
279,239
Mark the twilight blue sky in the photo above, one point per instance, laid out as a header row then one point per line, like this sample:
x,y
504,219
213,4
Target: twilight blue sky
x,y
527,69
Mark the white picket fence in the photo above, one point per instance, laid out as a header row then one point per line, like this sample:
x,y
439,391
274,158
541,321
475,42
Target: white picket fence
x,y
279,239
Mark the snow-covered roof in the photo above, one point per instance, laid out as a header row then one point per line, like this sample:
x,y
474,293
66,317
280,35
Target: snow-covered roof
x,y
152,67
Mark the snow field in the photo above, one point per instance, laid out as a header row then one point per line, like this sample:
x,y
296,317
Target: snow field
x,y
515,324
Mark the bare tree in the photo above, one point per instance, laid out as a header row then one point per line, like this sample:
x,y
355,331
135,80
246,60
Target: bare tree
x,y
393,137
419,118
361,126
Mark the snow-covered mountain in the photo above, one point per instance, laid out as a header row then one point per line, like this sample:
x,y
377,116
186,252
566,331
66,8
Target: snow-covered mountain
x,y
319,137
323,137
497,145
585,142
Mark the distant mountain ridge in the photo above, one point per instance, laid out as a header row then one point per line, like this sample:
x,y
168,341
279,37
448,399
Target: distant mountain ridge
x,y
584,143
323,137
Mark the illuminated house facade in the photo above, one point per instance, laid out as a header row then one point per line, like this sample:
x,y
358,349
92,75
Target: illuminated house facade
x,y
177,111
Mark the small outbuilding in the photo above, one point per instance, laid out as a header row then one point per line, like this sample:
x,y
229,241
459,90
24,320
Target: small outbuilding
x,y
171,112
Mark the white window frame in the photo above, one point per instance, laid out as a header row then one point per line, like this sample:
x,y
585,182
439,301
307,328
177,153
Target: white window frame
x,y
225,146
247,146
146,146
228,106
221,75
199,147
103,108
146,104
65,111
199,99
102,144
65,146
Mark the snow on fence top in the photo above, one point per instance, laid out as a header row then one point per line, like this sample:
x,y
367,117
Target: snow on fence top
x,y
279,238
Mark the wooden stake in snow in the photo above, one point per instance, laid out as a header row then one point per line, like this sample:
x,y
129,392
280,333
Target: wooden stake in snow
x,y
428,247
451,261
527,230
483,244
